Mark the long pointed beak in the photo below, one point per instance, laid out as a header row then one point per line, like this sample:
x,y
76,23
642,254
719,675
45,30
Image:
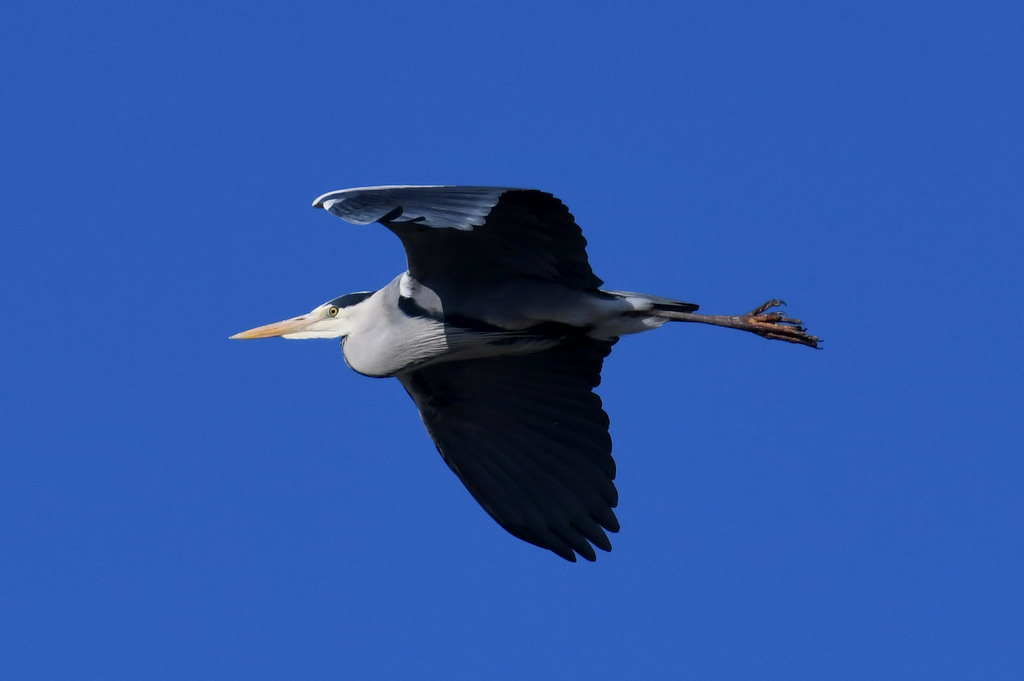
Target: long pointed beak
x,y
293,325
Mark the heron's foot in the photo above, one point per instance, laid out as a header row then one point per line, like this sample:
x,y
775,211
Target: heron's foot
x,y
777,326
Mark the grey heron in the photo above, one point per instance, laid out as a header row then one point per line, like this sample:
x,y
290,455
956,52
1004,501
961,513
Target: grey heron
x,y
498,331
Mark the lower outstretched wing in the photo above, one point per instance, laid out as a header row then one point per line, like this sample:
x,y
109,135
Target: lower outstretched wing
x,y
529,439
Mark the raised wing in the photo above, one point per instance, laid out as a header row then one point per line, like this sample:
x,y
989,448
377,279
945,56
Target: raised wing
x,y
474,236
529,439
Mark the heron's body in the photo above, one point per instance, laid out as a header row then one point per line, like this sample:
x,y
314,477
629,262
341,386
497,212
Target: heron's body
x,y
498,331
528,317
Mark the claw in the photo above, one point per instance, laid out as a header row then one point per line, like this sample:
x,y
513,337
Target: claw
x,y
774,302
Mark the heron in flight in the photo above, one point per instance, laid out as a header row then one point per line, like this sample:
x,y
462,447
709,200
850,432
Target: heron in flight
x,y
498,330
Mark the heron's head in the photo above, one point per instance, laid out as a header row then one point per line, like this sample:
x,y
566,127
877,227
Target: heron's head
x,y
330,320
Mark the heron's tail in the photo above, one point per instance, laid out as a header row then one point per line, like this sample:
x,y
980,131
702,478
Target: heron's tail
x,y
654,305
630,312
663,307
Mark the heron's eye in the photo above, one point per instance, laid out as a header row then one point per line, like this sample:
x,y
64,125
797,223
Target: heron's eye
x,y
333,311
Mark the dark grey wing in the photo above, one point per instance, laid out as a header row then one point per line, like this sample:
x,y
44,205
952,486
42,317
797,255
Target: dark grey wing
x,y
527,436
472,236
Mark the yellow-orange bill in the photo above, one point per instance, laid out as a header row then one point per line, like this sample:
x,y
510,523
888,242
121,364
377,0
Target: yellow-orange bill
x,y
293,325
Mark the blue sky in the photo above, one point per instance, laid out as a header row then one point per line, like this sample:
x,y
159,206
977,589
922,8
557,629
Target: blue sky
x,y
176,505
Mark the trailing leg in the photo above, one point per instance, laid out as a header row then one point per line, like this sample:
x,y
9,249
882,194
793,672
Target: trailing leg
x,y
761,321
